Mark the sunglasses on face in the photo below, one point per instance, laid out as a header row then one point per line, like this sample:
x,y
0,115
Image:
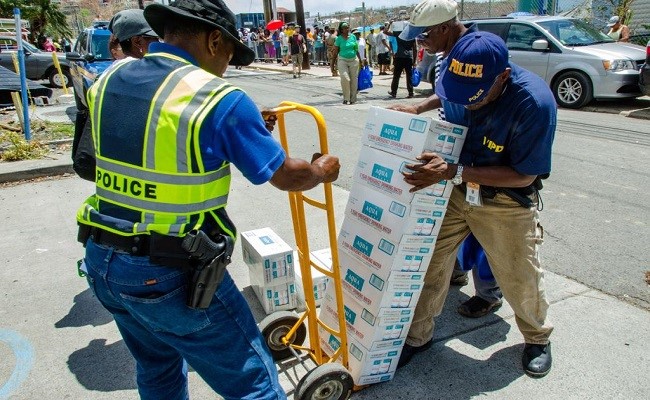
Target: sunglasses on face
x,y
425,35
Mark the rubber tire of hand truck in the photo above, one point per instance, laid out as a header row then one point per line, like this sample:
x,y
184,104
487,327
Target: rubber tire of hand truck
x,y
276,326
329,381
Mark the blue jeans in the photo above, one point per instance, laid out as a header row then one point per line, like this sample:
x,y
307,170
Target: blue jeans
x,y
222,343
472,256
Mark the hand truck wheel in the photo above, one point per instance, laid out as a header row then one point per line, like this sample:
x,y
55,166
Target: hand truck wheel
x,y
329,381
275,327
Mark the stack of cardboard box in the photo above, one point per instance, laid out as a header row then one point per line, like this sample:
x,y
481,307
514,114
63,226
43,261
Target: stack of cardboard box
x,y
387,240
270,263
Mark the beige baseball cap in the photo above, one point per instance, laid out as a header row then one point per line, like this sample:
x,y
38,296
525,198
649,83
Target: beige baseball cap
x,y
428,13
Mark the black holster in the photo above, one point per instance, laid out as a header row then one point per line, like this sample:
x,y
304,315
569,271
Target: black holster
x,y
211,258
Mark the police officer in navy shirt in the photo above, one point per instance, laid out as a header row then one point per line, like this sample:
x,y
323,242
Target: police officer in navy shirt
x,y
511,118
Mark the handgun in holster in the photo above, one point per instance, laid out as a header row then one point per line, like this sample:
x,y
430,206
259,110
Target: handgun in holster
x,y
212,258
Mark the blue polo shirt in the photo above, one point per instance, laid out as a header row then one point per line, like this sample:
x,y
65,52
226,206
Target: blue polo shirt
x,y
234,131
516,130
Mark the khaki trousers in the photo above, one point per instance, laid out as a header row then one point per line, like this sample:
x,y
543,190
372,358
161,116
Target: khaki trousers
x,y
511,236
349,72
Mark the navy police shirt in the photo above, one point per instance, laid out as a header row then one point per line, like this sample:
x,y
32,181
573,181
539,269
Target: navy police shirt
x,y
516,130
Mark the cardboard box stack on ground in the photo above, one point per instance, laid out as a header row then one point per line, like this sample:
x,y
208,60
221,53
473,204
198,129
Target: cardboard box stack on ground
x,y
270,263
322,258
387,240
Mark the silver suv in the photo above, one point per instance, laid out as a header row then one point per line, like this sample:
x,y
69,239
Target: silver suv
x,y
577,61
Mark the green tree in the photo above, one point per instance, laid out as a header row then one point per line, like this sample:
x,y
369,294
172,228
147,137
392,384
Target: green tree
x,y
44,16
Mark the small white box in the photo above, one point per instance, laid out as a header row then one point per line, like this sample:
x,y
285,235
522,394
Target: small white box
x,y
409,135
322,258
382,171
391,217
399,290
276,298
362,325
410,254
269,258
364,363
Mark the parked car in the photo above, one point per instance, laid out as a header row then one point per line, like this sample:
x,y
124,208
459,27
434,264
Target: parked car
x,y
578,62
89,57
38,64
644,72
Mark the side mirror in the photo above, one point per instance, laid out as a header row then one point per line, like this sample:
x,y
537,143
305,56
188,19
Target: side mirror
x,y
73,56
540,44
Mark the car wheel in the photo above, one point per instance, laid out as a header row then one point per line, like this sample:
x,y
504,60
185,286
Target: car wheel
x,y
572,90
55,79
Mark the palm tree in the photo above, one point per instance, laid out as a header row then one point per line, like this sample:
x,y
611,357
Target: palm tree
x,y
45,16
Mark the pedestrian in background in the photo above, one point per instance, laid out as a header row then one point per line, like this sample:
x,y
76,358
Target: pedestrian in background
x,y
361,44
403,60
297,48
384,51
370,46
284,49
618,31
269,46
346,53
178,184
277,45
331,52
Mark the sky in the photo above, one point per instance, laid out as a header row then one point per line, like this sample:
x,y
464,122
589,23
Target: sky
x,y
313,6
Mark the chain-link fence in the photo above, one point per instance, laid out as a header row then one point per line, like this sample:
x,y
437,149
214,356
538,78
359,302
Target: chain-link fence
x,y
597,12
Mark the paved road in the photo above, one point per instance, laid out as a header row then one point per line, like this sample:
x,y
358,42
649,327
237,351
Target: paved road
x,y
55,341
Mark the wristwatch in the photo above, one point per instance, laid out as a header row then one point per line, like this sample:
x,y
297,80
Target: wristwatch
x,y
458,178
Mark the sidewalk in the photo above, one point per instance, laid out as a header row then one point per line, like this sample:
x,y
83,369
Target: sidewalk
x,y
601,345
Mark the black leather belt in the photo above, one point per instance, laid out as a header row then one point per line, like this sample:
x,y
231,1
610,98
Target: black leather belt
x,y
162,249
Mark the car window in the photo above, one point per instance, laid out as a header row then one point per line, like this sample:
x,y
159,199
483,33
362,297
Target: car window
x,y
499,29
100,47
573,32
521,37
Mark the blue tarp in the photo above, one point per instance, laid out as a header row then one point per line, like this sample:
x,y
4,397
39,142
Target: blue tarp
x,y
10,82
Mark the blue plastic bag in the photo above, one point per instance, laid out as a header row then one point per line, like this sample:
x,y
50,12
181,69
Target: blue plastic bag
x,y
365,79
416,77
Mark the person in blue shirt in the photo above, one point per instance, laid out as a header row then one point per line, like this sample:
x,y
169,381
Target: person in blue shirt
x,y
511,117
169,120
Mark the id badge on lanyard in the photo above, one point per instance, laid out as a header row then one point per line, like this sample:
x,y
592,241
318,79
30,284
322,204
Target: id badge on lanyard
x,y
473,195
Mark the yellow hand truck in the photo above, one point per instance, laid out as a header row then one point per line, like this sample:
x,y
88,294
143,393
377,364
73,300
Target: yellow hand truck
x,y
284,331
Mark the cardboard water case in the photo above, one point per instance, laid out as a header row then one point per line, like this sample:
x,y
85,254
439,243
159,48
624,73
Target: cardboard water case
x,y
366,366
409,135
370,330
273,298
399,290
382,172
393,218
322,258
269,258
381,255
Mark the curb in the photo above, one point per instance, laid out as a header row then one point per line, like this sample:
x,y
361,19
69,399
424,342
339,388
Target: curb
x,y
643,113
25,174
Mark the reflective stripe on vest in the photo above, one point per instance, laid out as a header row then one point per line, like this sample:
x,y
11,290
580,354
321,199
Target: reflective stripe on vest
x,y
164,189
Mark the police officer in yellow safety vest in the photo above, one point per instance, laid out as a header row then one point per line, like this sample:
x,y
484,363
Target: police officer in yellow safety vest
x,y
166,129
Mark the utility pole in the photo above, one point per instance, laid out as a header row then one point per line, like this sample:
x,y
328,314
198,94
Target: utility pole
x,y
300,19
363,19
